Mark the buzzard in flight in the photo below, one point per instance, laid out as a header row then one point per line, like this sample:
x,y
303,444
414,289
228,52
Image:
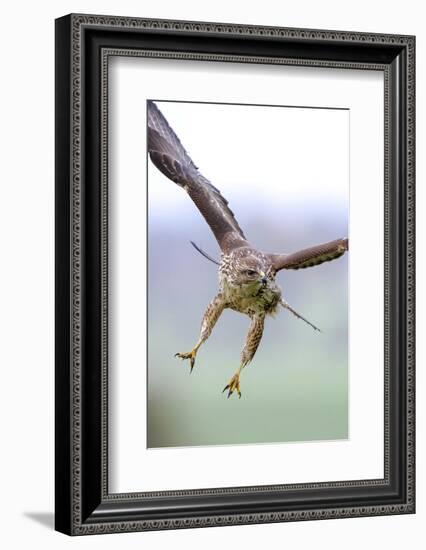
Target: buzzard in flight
x,y
246,275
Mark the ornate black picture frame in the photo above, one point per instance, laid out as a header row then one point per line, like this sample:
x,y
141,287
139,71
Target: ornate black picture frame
x,y
83,46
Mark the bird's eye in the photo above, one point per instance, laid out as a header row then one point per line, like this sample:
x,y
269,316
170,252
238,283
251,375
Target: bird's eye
x,y
250,272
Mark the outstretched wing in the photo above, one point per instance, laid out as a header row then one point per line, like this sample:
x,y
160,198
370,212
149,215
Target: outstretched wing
x,y
309,257
170,157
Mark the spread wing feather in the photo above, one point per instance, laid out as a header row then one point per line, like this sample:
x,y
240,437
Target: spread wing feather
x,y
170,157
310,257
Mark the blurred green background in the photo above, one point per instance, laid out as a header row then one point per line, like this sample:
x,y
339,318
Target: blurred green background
x,y
296,388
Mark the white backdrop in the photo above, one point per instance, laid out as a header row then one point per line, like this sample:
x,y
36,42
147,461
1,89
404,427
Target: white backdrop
x,y
26,219
133,80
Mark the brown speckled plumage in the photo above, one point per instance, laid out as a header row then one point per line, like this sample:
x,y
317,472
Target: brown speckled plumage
x,y
246,275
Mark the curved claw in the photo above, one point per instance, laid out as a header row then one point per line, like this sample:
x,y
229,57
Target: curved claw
x,y
233,385
188,355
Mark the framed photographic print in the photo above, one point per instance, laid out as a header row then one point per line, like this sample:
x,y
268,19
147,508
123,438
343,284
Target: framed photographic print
x,y
234,274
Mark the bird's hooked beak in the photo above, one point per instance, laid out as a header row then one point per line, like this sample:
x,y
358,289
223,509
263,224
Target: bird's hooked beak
x,y
263,278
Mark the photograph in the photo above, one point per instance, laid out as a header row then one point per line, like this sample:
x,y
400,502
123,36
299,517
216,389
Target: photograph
x,y
234,270
248,226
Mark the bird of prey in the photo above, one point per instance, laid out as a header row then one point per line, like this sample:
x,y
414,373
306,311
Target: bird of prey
x,y
246,275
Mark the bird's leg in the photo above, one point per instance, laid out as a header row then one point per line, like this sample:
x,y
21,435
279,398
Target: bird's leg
x,y
211,315
253,338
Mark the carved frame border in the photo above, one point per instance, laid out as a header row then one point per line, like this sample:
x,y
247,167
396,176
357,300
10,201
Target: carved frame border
x,y
71,518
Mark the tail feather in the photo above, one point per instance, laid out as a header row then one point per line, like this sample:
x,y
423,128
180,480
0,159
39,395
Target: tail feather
x,y
287,306
201,251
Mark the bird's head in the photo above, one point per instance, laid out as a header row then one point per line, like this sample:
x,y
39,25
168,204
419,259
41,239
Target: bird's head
x,y
251,271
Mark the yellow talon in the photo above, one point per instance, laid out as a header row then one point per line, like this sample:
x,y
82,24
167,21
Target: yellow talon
x,y
233,385
188,355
